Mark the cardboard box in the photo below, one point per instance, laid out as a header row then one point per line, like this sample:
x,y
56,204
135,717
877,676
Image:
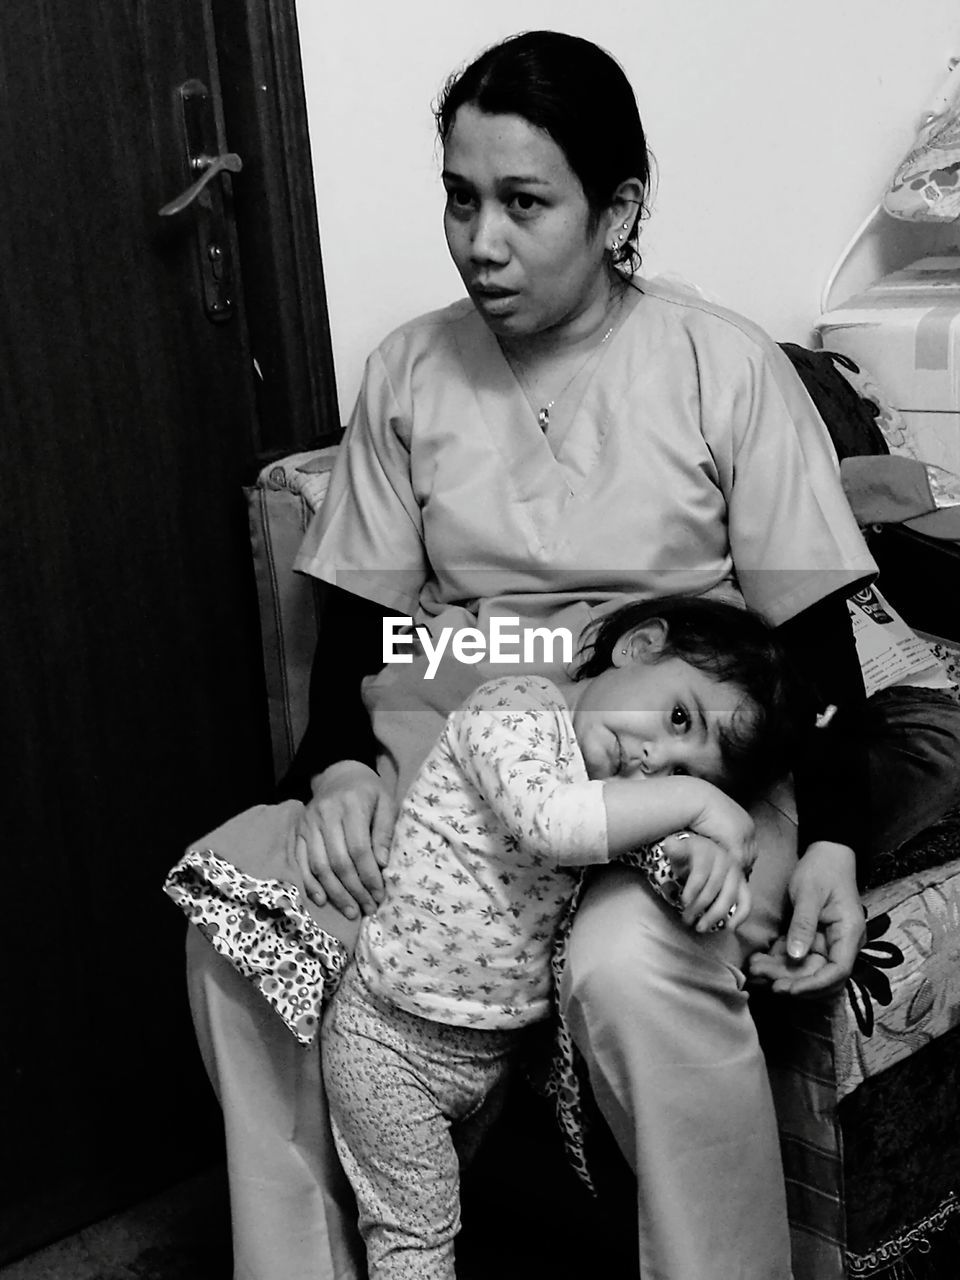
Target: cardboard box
x,y
905,332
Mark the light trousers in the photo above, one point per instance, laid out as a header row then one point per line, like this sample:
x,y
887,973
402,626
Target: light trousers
x,y
664,1028
661,1018
292,1209
294,1215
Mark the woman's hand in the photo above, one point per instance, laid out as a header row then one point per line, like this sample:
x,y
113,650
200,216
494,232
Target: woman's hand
x,y
826,930
343,838
714,883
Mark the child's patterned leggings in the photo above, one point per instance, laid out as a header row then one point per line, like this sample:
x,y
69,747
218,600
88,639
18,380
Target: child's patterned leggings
x,y
395,1082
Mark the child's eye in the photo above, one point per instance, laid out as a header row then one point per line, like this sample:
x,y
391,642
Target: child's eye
x,y
678,771
680,717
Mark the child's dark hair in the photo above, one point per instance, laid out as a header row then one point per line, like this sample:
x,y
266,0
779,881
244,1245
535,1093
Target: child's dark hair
x,y
733,645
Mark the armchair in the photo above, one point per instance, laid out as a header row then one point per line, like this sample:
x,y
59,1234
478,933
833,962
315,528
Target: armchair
x,y
867,1086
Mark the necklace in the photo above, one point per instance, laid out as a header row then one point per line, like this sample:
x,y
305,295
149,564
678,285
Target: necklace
x,y
543,413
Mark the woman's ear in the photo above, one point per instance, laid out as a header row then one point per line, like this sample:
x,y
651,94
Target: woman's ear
x,y
643,644
624,208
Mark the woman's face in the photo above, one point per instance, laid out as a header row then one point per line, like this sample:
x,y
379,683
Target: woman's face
x,y
517,224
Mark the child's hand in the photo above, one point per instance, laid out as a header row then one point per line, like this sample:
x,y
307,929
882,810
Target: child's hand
x,y
714,883
726,823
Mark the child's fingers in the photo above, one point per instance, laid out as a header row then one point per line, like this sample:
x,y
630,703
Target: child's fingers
x,y
716,914
697,899
743,905
694,888
738,913
717,910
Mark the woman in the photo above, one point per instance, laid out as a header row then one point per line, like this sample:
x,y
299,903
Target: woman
x,y
563,438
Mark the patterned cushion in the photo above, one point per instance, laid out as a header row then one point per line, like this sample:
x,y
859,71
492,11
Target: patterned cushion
x,y
904,995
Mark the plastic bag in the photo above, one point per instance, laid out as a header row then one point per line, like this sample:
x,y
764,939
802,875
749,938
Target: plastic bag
x,y
926,185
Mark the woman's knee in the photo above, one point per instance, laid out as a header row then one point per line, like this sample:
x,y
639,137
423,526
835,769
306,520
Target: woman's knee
x,y
609,942
631,961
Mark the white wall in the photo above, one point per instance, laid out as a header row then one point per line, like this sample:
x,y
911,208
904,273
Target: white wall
x,y
775,126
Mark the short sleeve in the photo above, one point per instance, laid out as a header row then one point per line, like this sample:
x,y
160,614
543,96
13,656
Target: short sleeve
x,y
368,536
793,538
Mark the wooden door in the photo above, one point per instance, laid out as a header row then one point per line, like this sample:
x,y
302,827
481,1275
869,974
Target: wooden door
x,y
132,706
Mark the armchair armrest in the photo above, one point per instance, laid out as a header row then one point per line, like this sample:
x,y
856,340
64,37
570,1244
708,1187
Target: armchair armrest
x,y
280,505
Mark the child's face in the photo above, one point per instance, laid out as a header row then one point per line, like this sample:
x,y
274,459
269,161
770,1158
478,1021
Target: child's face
x,y
643,718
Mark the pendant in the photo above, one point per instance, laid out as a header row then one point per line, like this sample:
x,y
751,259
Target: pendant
x,y
543,417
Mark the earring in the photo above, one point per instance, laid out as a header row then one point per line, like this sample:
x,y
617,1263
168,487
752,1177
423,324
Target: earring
x,y
623,649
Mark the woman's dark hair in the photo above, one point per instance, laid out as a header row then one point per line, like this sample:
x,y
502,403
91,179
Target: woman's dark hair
x,y
578,94
734,646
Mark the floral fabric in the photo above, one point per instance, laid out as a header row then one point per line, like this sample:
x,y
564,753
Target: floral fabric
x,y
566,1081
263,930
905,988
904,993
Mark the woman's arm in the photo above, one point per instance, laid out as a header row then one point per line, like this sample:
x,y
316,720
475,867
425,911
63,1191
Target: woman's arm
x,y
830,778
349,647
344,832
826,928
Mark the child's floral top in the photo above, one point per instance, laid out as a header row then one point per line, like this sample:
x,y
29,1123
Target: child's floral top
x,y
477,876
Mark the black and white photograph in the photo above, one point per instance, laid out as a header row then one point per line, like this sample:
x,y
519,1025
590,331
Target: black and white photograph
x,y
480,640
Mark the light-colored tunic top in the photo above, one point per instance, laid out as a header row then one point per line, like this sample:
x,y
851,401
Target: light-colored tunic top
x,y
694,461
476,879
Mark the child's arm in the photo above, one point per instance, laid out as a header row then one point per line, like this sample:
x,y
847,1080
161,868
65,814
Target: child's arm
x,y
515,744
643,810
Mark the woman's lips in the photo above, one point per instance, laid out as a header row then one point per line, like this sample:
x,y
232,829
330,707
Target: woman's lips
x,y
494,300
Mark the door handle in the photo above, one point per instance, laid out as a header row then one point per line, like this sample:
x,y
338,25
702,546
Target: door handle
x,y
208,167
207,158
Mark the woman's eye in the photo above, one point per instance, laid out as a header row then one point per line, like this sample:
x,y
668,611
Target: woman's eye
x,y
679,717
459,200
524,202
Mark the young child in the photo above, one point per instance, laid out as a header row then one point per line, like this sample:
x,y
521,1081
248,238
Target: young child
x,y
680,705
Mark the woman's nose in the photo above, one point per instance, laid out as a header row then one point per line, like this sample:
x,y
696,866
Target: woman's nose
x,y
488,243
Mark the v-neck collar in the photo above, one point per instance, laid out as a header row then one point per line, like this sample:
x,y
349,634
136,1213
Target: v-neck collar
x,y
545,475
529,464
508,413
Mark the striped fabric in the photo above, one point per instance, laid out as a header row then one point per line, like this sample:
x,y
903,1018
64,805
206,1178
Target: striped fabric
x,y
280,506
